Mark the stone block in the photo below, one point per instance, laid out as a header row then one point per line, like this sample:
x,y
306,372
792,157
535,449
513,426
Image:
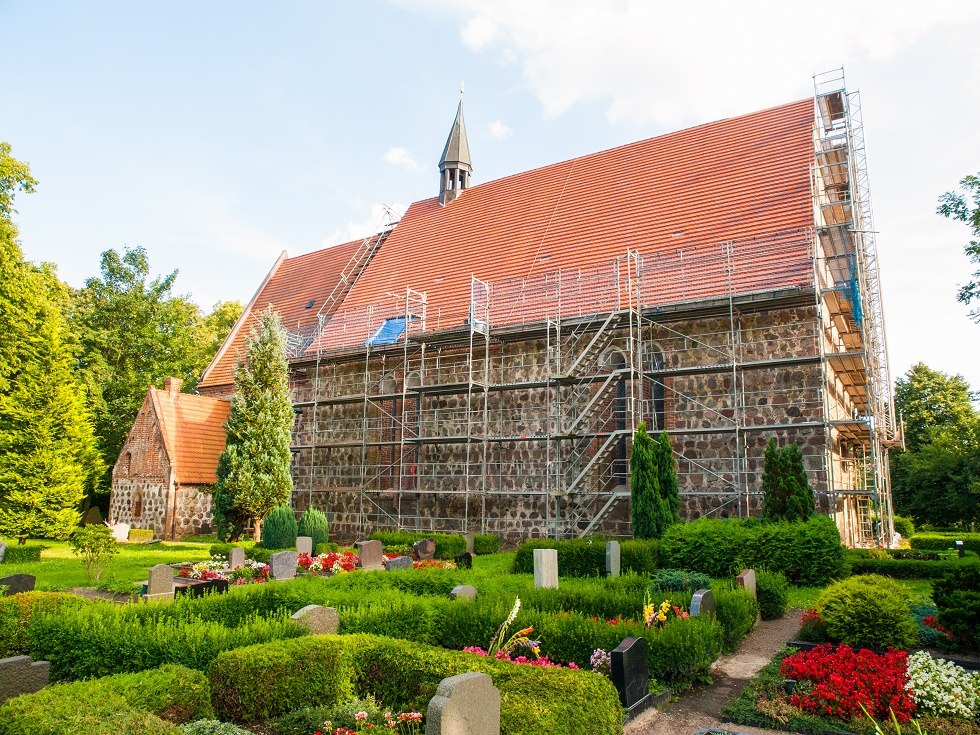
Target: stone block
x,y
282,565
236,557
613,555
120,532
424,549
470,541
318,620
463,592
399,562
546,569
17,583
3,551
160,584
703,603
746,580
304,545
370,555
20,675
466,704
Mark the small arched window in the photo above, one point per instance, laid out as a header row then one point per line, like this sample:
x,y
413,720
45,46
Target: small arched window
x,y
137,509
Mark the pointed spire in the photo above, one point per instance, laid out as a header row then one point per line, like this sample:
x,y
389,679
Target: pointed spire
x,y
455,167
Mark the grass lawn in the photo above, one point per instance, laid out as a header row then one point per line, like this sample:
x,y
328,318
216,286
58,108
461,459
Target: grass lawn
x,y
60,569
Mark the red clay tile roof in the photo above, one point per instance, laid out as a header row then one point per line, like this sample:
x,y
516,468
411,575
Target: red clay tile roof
x,y
735,179
193,429
289,287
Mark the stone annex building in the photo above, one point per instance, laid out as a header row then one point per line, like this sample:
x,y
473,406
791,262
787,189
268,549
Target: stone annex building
x,y
482,364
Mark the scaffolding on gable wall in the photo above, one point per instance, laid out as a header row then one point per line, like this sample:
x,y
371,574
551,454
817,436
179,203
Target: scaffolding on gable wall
x,y
564,365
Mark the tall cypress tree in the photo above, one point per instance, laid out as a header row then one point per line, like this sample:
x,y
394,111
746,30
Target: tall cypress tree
x,y
253,471
644,484
786,489
48,452
669,501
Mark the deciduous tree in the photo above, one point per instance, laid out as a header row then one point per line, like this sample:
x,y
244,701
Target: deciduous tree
x,y
964,206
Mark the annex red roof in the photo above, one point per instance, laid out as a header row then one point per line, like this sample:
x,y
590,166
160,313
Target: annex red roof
x,y
297,288
739,179
193,429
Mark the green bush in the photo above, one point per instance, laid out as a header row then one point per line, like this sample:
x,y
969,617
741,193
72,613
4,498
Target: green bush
x,y
96,546
216,727
957,597
310,719
639,556
868,611
486,543
772,590
448,545
279,529
737,611
313,523
17,611
23,554
140,535
222,550
904,526
260,553
937,541
576,557
328,548
126,703
861,563
678,580
269,680
685,649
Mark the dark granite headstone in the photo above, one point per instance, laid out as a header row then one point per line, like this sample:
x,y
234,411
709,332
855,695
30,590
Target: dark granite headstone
x,y
17,583
960,548
399,562
703,603
631,675
464,560
424,549
199,587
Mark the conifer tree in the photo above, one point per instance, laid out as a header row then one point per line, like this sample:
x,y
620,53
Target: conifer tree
x,y
644,484
48,454
669,501
786,491
253,471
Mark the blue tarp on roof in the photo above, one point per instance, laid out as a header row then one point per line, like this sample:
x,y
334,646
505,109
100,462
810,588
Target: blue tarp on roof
x,y
388,333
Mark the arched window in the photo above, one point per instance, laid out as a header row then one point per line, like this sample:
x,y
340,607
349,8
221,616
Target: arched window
x,y
137,509
655,366
128,464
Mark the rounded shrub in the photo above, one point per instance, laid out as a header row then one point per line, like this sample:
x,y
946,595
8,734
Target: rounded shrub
x,y
313,523
904,526
279,530
772,590
868,611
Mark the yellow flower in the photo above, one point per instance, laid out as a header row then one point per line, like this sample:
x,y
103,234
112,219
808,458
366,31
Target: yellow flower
x,y
662,617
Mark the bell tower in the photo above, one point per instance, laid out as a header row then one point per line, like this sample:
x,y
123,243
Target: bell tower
x,y
455,168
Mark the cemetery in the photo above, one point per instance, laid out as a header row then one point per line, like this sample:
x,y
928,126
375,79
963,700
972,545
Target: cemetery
x,y
447,634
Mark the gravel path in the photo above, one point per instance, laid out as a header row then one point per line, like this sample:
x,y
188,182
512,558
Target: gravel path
x,y
701,706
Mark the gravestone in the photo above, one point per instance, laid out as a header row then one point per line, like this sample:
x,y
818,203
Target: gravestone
x,y
746,580
20,675
120,532
3,551
399,562
282,564
318,620
471,542
370,555
466,704
464,560
424,549
612,558
200,587
703,602
546,569
17,583
92,517
960,548
304,545
463,592
160,583
236,557
631,676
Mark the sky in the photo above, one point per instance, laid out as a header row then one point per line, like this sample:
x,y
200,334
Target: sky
x,y
218,134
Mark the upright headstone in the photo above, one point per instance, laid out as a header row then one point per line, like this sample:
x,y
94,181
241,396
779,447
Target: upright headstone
x,y
282,565
236,557
702,603
465,704
304,545
960,548
318,620
746,580
92,517
464,560
17,583
546,568
463,592
631,676
160,584
612,558
370,554
471,542
424,549
399,562
120,532
20,675
3,551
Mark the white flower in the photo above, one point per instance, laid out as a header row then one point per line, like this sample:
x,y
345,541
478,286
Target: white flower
x,y
942,688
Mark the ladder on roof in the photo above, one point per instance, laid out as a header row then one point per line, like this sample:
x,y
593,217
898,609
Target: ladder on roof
x,y
352,270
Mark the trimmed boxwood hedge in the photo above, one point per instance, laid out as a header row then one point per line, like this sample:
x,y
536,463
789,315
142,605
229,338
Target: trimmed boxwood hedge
x,y
587,557
808,552
861,562
448,545
935,541
124,703
17,554
405,675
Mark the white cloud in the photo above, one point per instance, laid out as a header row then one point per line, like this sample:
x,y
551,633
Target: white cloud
x,y
400,157
479,32
499,129
380,215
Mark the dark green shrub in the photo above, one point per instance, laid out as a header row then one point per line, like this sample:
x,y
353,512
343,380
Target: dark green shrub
x,y
736,610
787,491
772,589
685,649
957,597
259,553
861,563
17,611
680,580
293,674
279,529
934,541
486,543
654,497
576,557
639,556
23,554
868,611
328,548
904,526
448,545
313,523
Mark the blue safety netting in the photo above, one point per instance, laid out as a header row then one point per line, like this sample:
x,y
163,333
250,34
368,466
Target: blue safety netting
x,y
388,333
